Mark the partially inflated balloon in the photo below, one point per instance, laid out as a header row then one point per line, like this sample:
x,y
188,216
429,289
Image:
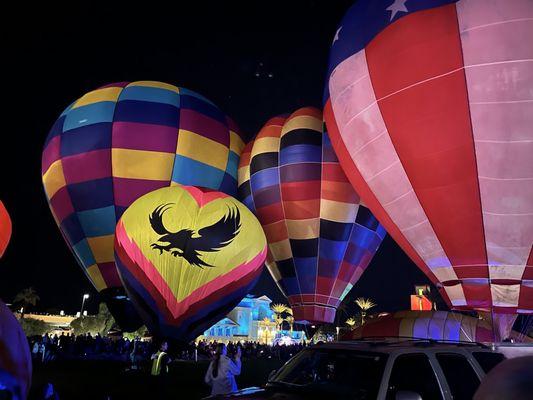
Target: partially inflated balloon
x,y
187,256
429,107
115,144
5,229
321,239
15,358
437,325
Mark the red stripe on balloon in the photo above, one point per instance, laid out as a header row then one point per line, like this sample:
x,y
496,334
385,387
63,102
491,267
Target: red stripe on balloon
x,y
368,197
430,127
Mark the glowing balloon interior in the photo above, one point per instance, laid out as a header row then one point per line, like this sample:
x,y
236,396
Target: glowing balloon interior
x,y
429,108
187,256
118,142
321,239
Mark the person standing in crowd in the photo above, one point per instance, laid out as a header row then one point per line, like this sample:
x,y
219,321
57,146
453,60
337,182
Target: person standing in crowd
x,y
160,361
159,372
222,371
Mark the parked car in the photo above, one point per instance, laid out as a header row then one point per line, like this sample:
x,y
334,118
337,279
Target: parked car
x,y
390,369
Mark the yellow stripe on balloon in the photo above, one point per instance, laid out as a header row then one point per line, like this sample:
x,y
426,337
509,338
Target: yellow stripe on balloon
x,y
102,248
243,174
202,149
303,122
54,179
303,228
160,85
338,211
281,250
265,145
236,144
97,96
96,277
141,164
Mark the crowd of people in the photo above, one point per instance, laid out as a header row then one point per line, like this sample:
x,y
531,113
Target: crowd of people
x,y
65,346
155,359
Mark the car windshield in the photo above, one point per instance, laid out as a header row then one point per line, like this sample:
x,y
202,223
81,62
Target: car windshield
x,y
334,371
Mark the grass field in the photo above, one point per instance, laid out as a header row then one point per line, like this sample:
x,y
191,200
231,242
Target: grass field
x,y
108,379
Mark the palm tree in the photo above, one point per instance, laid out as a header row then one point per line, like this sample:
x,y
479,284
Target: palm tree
x,y
279,309
364,305
26,297
351,322
290,317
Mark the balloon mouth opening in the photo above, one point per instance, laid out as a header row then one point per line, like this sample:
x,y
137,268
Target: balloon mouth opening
x,y
313,314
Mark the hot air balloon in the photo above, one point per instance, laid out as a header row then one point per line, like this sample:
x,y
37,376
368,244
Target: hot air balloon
x,y
187,256
5,228
429,109
320,238
15,358
436,325
115,144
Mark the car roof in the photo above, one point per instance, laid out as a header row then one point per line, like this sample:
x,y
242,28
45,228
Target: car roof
x,y
390,345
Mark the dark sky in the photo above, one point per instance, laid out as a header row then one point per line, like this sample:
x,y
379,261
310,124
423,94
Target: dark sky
x,y
214,50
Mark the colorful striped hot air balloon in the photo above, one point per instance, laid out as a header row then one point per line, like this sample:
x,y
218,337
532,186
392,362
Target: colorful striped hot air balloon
x,y
5,228
321,239
115,144
187,256
429,105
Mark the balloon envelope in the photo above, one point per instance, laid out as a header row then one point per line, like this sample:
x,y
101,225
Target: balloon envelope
x,y
15,358
321,239
187,256
115,144
429,106
5,228
437,325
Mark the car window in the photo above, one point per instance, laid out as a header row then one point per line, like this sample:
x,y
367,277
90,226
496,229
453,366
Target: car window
x,y
462,379
342,373
414,373
488,360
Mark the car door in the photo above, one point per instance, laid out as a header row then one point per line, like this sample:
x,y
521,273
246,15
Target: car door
x,y
413,372
462,379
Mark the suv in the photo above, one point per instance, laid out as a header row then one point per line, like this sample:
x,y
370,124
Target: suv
x,y
387,369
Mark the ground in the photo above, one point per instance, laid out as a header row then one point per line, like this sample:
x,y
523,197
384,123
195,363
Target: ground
x,y
82,379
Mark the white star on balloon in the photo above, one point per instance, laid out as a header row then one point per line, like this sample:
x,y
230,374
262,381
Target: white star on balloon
x,y
396,7
336,35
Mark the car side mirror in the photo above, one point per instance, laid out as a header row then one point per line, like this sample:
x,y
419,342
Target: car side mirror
x,y
271,375
407,395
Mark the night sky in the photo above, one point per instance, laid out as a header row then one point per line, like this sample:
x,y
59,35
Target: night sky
x,y
253,60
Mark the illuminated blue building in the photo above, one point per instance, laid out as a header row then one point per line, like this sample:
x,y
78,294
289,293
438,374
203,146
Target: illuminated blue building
x,y
253,320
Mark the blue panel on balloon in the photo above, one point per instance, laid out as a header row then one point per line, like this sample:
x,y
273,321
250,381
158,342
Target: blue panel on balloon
x,y
71,227
90,114
146,112
331,249
228,185
153,94
233,164
87,138
97,193
265,178
306,269
290,286
98,222
188,93
57,129
202,106
84,253
300,153
191,172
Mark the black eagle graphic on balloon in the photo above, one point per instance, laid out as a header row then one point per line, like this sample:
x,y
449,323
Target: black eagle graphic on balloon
x,y
188,243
